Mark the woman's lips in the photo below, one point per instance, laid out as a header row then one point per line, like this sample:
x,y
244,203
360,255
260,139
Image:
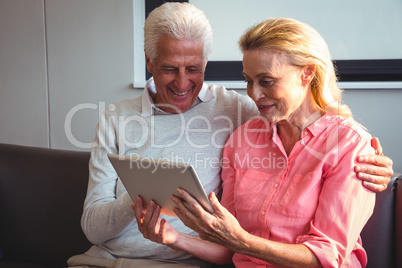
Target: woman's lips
x,y
265,107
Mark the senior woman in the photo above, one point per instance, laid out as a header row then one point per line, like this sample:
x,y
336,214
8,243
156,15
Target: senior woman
x,y
290,194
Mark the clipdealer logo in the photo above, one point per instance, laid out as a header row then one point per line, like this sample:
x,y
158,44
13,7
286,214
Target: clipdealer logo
x,y
188,132
117,126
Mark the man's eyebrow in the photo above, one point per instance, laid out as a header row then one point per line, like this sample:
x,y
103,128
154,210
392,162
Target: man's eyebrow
x,y
196,66
168,66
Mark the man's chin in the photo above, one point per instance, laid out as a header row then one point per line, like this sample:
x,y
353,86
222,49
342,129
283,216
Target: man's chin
x,y
176,109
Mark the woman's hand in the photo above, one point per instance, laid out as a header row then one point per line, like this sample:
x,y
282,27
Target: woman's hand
x,y
221,227
152,226
157,229
377,175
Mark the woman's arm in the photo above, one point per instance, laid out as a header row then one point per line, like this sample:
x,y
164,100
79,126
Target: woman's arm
x,y
158,230
223,228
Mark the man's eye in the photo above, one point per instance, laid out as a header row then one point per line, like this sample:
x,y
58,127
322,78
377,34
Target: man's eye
x,y
169,70
194,70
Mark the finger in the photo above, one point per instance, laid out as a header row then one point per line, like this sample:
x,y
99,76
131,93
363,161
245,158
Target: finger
x,y
378,160
192,203
182,211
380,180
153,223
138,209
375,187
368,169
374,170
182,206
179,214
150,211
216,205
375,143
162,230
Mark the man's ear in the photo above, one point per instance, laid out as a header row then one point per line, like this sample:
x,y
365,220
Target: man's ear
x,y
148,63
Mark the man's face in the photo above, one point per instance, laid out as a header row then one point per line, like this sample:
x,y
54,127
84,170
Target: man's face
x,y
178,73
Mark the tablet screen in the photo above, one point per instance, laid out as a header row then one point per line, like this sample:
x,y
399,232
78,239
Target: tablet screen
x,y
158,180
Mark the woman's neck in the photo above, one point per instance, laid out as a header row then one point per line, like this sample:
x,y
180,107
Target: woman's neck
x,y
290,129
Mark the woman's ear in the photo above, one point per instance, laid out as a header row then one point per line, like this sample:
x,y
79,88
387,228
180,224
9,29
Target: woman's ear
x,y
308,74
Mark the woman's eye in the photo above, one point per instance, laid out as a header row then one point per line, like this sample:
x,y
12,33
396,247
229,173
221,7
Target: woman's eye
x,y
267,82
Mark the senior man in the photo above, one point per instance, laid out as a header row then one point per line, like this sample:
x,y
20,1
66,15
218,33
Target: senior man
x,y
178,118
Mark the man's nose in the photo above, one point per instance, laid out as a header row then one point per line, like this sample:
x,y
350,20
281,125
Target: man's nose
x,y
182,80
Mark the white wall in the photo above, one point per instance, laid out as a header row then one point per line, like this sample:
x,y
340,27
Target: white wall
x,y
59,55
55,55
90,61
23,82
358,29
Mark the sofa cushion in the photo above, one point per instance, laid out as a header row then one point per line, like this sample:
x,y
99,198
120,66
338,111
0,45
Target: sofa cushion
x,y
42,193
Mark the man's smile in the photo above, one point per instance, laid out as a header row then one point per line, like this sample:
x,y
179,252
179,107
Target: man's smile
x,y
180,93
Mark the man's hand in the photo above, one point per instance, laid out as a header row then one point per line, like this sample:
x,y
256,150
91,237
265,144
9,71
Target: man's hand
x,y
377,175
152,226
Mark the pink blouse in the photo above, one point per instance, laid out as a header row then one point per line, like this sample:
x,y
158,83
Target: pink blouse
x,y
311,197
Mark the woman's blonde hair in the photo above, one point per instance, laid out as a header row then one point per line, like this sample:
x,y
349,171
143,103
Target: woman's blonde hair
x,y
301,45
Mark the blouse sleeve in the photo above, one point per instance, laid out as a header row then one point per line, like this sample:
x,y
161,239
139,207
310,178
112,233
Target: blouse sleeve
x,y
345,205
228,175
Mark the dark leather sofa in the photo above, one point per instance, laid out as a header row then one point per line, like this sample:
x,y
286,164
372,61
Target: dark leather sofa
x,y
42,193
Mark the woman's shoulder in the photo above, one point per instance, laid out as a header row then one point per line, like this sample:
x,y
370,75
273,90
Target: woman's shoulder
x,y
349,126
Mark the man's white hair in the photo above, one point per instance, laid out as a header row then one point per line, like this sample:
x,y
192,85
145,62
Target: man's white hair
x,y
182,21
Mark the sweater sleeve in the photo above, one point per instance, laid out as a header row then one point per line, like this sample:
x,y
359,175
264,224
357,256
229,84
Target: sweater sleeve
x,y
105,215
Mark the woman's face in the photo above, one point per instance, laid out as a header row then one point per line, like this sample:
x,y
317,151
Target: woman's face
x,y
275,86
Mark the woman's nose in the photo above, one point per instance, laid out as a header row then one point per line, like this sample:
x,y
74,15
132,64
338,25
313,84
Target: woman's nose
x,y
255,93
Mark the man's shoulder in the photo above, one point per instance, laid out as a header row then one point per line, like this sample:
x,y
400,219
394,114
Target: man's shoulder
x,y
126,106
232,104
223,92
224,95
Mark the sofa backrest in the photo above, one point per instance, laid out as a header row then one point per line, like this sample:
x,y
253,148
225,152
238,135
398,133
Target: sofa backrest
x,y
42,193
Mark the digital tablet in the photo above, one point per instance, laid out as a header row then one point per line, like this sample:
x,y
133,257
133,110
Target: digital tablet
x,y
158,180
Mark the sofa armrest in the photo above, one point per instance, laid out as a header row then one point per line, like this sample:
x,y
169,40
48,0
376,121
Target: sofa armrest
x,y
42,193
398,222
378,236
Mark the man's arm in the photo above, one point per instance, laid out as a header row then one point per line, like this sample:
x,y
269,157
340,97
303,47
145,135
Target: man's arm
x,y
377,175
